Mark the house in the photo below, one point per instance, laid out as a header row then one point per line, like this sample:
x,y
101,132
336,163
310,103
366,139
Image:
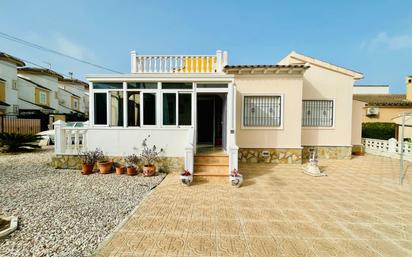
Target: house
x,y
8,83
208,115
385,107
370,89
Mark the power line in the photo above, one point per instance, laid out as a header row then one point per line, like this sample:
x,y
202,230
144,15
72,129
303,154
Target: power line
x,y
39,47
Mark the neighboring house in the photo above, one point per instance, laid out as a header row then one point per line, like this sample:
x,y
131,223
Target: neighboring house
x,y
79,99
371,89
193,105
386,107
8,83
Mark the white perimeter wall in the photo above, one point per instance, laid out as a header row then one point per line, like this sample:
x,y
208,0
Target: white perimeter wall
x,y
122,141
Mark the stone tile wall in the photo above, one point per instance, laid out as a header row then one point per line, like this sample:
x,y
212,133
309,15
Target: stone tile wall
x,y
329,152
278,155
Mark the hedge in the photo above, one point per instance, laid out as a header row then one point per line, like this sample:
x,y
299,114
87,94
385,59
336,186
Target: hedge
x,y
378,130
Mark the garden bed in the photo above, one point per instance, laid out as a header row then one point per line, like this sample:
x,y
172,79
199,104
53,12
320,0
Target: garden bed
x,y
61,212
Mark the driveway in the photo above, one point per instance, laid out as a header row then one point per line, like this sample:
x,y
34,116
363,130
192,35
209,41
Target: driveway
x,y
359,209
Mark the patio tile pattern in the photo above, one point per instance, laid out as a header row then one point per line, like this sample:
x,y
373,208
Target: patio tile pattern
x,y
359,209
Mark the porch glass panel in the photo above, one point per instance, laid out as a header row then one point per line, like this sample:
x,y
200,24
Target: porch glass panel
x,y
100,108
169,109
149,108
142,85
107,85
133,109
185,109
177,85
116,115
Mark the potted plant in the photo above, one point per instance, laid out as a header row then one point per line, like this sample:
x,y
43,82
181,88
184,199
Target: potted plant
x,y
120,169
89,158
149,156
105,165
186,177
131,162
236,179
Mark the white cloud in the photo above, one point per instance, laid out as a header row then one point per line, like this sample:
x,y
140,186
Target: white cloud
x,y
391,42
73,49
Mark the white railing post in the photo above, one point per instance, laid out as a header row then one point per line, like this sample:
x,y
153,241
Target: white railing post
x,y
133,61
219,59
59,137
392,146
225,59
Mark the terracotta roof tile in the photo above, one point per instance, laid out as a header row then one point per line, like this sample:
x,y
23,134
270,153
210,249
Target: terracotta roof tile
x,y
383,99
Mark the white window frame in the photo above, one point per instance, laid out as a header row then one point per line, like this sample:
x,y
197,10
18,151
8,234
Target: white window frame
x,y
176,92
42,93
152,91
333,116
280,127
75,103
107,107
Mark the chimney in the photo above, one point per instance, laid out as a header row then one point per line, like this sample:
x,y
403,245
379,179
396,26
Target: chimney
x,y
409,88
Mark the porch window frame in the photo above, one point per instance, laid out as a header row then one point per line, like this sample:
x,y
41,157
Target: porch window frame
x,y
333,115
176,92
282,104
108,107
156,93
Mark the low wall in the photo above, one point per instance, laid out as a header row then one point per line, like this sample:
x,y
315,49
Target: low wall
x,y
166,164
276,155
329,152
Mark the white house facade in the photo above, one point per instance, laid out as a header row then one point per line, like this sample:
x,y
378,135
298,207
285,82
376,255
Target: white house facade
x,y
197,107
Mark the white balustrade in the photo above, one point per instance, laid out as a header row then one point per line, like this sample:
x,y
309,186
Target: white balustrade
x,y
69,140
389,148
178,63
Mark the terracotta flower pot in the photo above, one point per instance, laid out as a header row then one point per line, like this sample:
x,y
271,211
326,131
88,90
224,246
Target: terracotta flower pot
x,y
149,170
120,170
131,171
87,169
105,167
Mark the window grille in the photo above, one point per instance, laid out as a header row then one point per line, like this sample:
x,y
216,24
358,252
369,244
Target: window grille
x,y
317,113
262,111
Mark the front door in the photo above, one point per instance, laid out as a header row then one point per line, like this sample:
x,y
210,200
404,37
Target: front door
x,y
205,120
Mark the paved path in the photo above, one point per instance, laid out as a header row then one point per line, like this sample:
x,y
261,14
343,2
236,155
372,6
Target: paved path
x,y
357,210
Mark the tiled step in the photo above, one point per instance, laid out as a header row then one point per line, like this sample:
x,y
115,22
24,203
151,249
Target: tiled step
x,y
215,160
211,170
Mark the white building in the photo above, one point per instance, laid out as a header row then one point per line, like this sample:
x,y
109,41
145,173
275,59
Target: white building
x,y
8,83
370,89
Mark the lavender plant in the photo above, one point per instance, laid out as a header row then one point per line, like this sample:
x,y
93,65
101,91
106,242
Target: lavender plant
x,y
91,157
149,155
131,160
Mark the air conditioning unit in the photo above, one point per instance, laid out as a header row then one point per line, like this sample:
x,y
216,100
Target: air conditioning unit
x,y
372,111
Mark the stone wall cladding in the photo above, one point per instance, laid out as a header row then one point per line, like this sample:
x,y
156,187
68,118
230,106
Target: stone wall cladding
x,y
329,152
166,164
276,155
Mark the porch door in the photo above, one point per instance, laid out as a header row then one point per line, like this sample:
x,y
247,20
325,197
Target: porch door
x,y
205,120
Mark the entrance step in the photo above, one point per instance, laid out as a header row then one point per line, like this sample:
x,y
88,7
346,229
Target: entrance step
x,y
211,165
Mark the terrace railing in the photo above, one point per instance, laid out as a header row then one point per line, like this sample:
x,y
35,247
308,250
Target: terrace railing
x,y
389,148
69,140
178,63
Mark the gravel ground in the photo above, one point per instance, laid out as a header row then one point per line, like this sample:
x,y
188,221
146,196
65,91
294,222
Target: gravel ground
x,y
61,212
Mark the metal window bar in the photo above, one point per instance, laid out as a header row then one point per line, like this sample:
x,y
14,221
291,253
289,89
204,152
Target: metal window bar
x,y
261,111
317,113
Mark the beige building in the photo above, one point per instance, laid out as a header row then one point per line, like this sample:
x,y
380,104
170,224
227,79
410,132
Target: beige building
x,y
386,107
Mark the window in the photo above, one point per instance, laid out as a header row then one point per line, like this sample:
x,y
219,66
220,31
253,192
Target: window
x,y
177,85
169,109
107,85
116,112
15,109
2,91
100,109
317,113
185,109
43,98
133,109
212,85
142,85
261,111
149,108
75,102
14,84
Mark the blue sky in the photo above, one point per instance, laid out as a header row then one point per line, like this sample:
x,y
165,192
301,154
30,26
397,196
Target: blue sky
x,y
374,37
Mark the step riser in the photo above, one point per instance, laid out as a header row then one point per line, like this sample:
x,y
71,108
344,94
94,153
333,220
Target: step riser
x,y
220,170
211,160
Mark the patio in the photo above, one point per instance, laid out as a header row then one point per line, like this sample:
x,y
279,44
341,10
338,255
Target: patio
x,y
357,210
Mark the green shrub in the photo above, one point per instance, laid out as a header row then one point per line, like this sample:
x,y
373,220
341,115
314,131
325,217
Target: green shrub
x,y
378,130
13,142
